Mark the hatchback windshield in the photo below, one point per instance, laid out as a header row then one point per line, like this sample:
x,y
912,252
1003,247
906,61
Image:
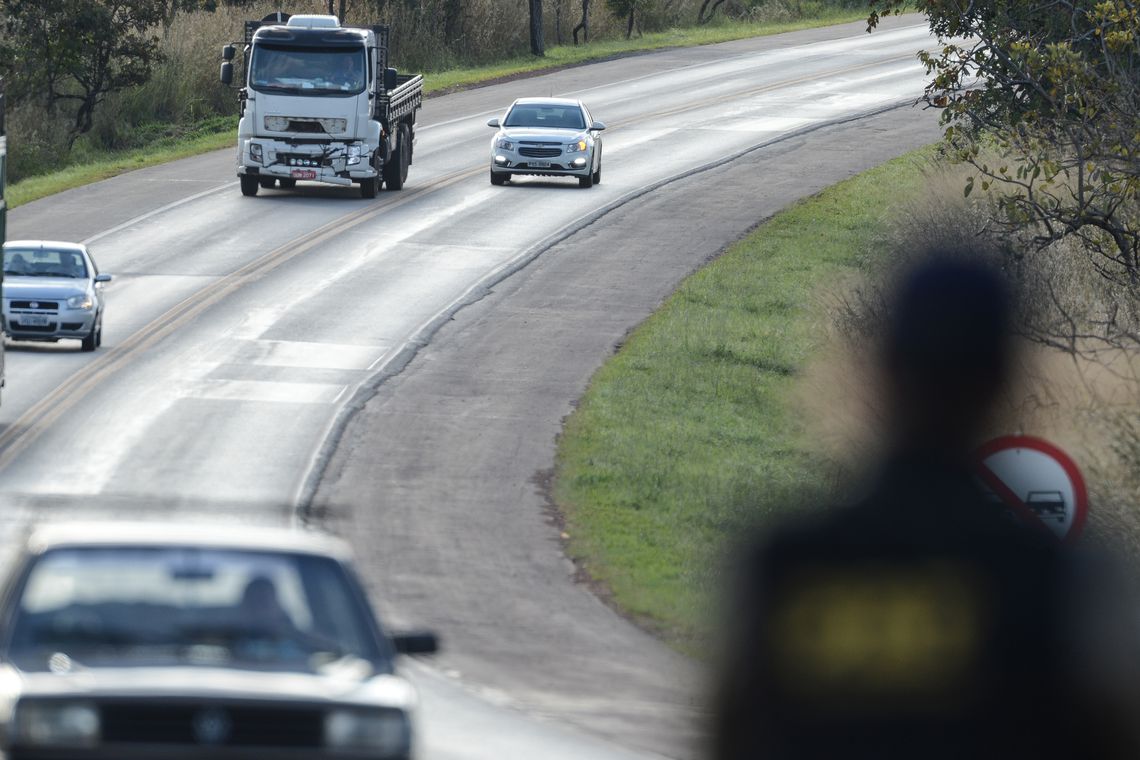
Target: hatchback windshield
x,y
44,262
165,605
309,71
554,117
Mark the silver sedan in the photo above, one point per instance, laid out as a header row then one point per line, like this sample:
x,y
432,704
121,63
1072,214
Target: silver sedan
x,y
52,290
548,137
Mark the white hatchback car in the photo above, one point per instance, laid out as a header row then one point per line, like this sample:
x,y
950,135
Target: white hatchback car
x,y
554,137
52,290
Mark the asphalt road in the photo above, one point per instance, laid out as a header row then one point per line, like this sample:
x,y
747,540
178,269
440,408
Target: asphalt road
x,y
398,368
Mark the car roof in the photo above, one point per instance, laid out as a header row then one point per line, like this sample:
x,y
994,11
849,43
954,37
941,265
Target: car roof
x,y
217,535
45,244
547,102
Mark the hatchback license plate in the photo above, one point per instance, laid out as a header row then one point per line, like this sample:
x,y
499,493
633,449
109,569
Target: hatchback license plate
x,y
538,164
304,174
32,320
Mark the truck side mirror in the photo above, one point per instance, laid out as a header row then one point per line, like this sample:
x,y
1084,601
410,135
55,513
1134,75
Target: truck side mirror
x,y
389,79
228,53
227,73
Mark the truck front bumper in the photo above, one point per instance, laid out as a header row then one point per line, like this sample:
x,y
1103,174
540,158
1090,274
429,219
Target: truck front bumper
x,y
337,163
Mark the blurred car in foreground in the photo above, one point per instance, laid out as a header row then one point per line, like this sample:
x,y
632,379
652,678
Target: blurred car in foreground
x,y
548,137
52,290
151,641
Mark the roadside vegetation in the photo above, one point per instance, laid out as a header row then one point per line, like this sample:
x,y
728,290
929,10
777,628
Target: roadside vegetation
x,y
750,392
98,87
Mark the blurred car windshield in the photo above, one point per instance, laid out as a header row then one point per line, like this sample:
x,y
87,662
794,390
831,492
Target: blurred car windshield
x,y
44,262
172,605
552,117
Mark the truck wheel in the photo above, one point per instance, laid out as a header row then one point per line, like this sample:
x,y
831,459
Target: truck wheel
x,y
248,184
267,182
396,170
369,187
287,184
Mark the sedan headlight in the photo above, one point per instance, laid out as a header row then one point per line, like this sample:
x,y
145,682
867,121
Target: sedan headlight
x,y
385,732
59,724
577,147
504,144
83,302
276,123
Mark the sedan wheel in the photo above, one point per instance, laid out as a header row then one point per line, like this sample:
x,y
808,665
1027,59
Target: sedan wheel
x,y
91,341
499,179
587,181
598,175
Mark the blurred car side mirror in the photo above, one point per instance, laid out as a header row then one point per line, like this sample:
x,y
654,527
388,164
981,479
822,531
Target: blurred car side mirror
x,y
493,123
597,126
416,642
102,278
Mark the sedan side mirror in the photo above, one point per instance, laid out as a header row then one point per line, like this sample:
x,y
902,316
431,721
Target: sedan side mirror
x,y
102,278
597,126
493,123
416,642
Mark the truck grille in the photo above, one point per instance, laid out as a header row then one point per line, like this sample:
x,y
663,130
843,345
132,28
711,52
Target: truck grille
x,y
539,152
132,722
302,160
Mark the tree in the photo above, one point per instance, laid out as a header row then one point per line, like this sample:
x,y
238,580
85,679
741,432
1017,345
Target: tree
x,y
80,51
584,24
627,9
537,45
1042,99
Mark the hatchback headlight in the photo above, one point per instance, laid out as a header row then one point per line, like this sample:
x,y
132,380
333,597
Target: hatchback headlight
x,y
504,144
276,123
577,147
83,302
58,724
384,732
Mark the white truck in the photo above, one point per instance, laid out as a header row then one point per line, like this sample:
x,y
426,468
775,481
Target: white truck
x,y
319,103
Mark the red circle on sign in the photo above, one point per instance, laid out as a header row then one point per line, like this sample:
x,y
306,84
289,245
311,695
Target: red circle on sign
x,y
1012,500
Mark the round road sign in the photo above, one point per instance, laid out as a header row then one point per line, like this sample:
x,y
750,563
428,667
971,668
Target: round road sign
x,y
1036,481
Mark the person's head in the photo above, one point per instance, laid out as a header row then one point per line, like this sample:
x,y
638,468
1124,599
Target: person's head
x,y
947,349
260,598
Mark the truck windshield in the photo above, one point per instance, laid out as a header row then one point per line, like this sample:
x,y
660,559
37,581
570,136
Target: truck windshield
x,y
307,70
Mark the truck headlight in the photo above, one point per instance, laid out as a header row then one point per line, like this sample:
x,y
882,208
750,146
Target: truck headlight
x,y
385,732
576,147
504,144
353,155
276,123
82,302
334,126
255,153
59,724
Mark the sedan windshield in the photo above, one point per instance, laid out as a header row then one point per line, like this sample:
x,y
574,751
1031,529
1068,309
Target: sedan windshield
x,y
44,262
170,605
553,117
307,71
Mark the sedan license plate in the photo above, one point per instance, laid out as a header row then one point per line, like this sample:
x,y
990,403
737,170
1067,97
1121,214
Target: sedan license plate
x,y
538,164
33,320
304,174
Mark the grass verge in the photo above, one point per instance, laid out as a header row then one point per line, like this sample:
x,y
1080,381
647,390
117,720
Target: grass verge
x,y
93,167
690,432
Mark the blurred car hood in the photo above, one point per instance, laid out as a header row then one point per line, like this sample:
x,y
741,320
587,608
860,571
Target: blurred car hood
x,y
212,683
46,288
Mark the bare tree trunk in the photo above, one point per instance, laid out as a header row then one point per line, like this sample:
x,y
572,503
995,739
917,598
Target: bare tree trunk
x,y
343,11
701,17
629,26
537,46
584,24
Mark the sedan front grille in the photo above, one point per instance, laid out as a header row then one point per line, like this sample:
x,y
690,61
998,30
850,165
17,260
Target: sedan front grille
x,y
36,306
539,152
132,722
48,328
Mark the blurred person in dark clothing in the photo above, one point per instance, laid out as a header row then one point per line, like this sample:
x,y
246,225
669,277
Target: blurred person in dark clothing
x,y
922,621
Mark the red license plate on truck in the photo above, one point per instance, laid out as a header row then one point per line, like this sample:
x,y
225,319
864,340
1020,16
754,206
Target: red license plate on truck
x,y
304,174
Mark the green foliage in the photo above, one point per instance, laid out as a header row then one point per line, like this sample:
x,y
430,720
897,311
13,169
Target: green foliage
x,y
79,51
1053,91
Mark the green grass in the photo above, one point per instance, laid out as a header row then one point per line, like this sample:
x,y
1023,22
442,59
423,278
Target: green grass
x,y
93,166
689,433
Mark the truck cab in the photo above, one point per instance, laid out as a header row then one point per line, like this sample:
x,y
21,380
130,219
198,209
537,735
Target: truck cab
x,y
320,104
